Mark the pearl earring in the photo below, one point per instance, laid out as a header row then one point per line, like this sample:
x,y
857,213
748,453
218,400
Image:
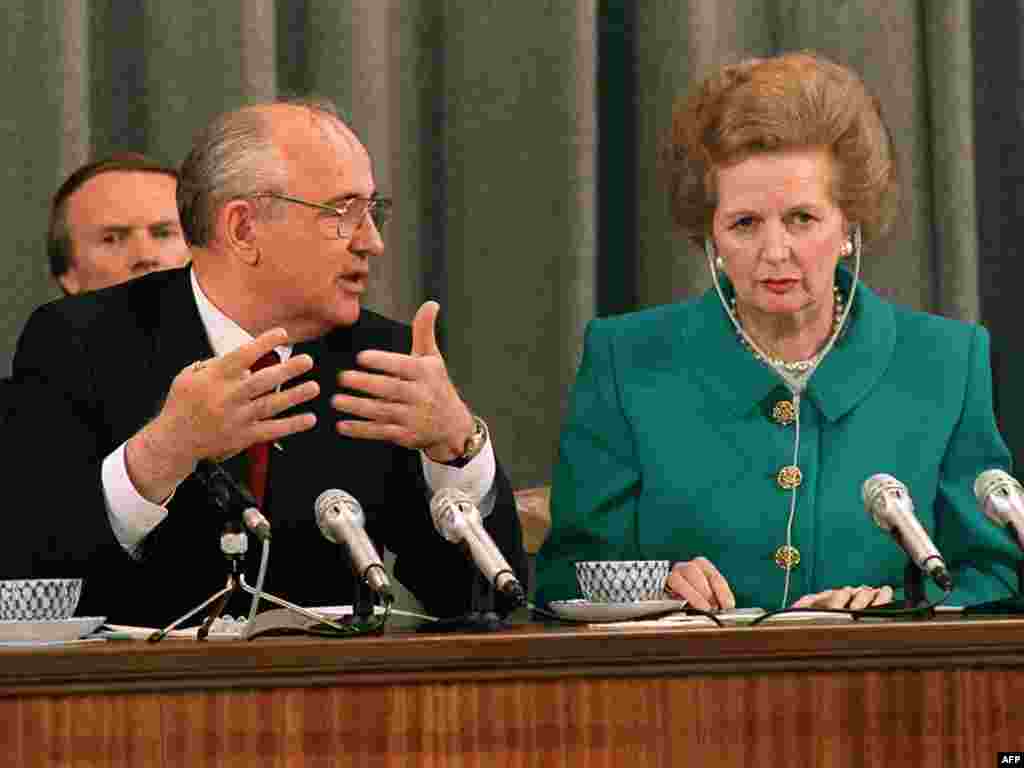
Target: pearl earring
x,y
719,263
846,250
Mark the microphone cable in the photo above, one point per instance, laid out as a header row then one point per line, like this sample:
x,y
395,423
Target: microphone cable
x,y
535,609
264,560
881,612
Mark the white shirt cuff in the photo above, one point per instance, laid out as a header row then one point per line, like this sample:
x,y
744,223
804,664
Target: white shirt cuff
x,y
131,516
476,478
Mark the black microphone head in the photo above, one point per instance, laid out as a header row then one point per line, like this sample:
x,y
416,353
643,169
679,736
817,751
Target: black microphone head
x,y
232,498
224,490
209,474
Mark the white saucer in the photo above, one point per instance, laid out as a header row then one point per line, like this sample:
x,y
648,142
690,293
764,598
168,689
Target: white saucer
x,y
584,610
49,630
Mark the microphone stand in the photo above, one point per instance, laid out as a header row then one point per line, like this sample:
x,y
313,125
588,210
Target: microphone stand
x,y
365,600
913,587
913,593
482,615
1008,606
234,543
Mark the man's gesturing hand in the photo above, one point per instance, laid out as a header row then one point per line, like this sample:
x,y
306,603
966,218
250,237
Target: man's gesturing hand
x,y
216,409
412,401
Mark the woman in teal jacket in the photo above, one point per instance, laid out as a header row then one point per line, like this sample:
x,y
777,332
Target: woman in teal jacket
x,y
732,434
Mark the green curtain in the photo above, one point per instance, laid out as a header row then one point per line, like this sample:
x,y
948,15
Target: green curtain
x,y
518,138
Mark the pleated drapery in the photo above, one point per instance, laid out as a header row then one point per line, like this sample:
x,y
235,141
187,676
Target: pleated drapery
x,y
519,141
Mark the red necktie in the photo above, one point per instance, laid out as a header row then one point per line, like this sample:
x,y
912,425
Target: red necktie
x,y
259,453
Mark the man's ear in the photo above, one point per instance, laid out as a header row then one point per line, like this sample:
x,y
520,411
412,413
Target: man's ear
x,y
236,225
69,282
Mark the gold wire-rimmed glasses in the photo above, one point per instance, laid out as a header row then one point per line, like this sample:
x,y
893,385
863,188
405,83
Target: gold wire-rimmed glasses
x,y
346,218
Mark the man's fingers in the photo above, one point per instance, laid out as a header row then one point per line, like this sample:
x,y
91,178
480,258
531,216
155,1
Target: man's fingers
x,y
268,406
273,376
243,358
368,430
386,387
368,408
394,363
274,429
424,338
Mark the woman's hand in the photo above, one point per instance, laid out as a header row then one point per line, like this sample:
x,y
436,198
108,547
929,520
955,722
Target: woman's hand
x,y
848,598
702,586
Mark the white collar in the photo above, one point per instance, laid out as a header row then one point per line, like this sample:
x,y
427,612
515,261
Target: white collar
x,y
224,334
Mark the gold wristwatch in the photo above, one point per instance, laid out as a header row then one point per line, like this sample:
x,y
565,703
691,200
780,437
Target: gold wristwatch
x,y
473,445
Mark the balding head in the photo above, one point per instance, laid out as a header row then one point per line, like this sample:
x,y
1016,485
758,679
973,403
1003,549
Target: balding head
x,y
247,151
262,197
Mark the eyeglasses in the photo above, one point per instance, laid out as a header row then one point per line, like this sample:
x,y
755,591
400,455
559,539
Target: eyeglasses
x,y
344,221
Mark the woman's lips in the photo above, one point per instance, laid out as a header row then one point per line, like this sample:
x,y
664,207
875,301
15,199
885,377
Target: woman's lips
x,y
779,286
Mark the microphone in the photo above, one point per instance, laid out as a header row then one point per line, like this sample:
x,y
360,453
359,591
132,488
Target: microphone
x,y
1001,498
232,498
341,521
888,502
457,519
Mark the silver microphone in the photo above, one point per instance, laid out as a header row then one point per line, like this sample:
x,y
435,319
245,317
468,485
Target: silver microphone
x,y
889,504
341,521
1001,498
458,519
256,522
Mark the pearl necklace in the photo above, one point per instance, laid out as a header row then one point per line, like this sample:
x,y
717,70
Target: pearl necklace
x,y
796,367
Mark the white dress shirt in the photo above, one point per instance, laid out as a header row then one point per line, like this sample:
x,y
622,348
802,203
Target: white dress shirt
x,y
132,517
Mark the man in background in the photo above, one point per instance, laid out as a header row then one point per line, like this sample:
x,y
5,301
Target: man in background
x,y
112,220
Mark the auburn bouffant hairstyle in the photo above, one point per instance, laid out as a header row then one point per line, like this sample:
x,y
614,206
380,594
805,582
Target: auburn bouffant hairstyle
x,y
791,101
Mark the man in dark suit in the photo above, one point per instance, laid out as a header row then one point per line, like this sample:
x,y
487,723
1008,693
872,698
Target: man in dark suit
x,y
127,388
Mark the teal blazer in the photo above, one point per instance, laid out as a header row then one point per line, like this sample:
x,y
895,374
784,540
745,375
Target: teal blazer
x,y
669,451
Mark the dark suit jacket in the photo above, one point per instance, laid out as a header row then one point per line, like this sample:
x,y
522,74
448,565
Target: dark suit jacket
x,y
94,368
7,401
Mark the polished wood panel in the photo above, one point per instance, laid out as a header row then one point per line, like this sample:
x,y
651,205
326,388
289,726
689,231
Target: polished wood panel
x,y
937,694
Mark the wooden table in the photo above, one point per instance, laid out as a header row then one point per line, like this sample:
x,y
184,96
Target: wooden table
x,y
935,693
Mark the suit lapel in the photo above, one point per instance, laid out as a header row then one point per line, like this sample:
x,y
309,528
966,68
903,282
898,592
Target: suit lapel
x,y
179,337
860,358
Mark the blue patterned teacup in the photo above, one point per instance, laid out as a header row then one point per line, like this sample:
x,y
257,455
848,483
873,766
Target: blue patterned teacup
x,y
39,599
622,581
